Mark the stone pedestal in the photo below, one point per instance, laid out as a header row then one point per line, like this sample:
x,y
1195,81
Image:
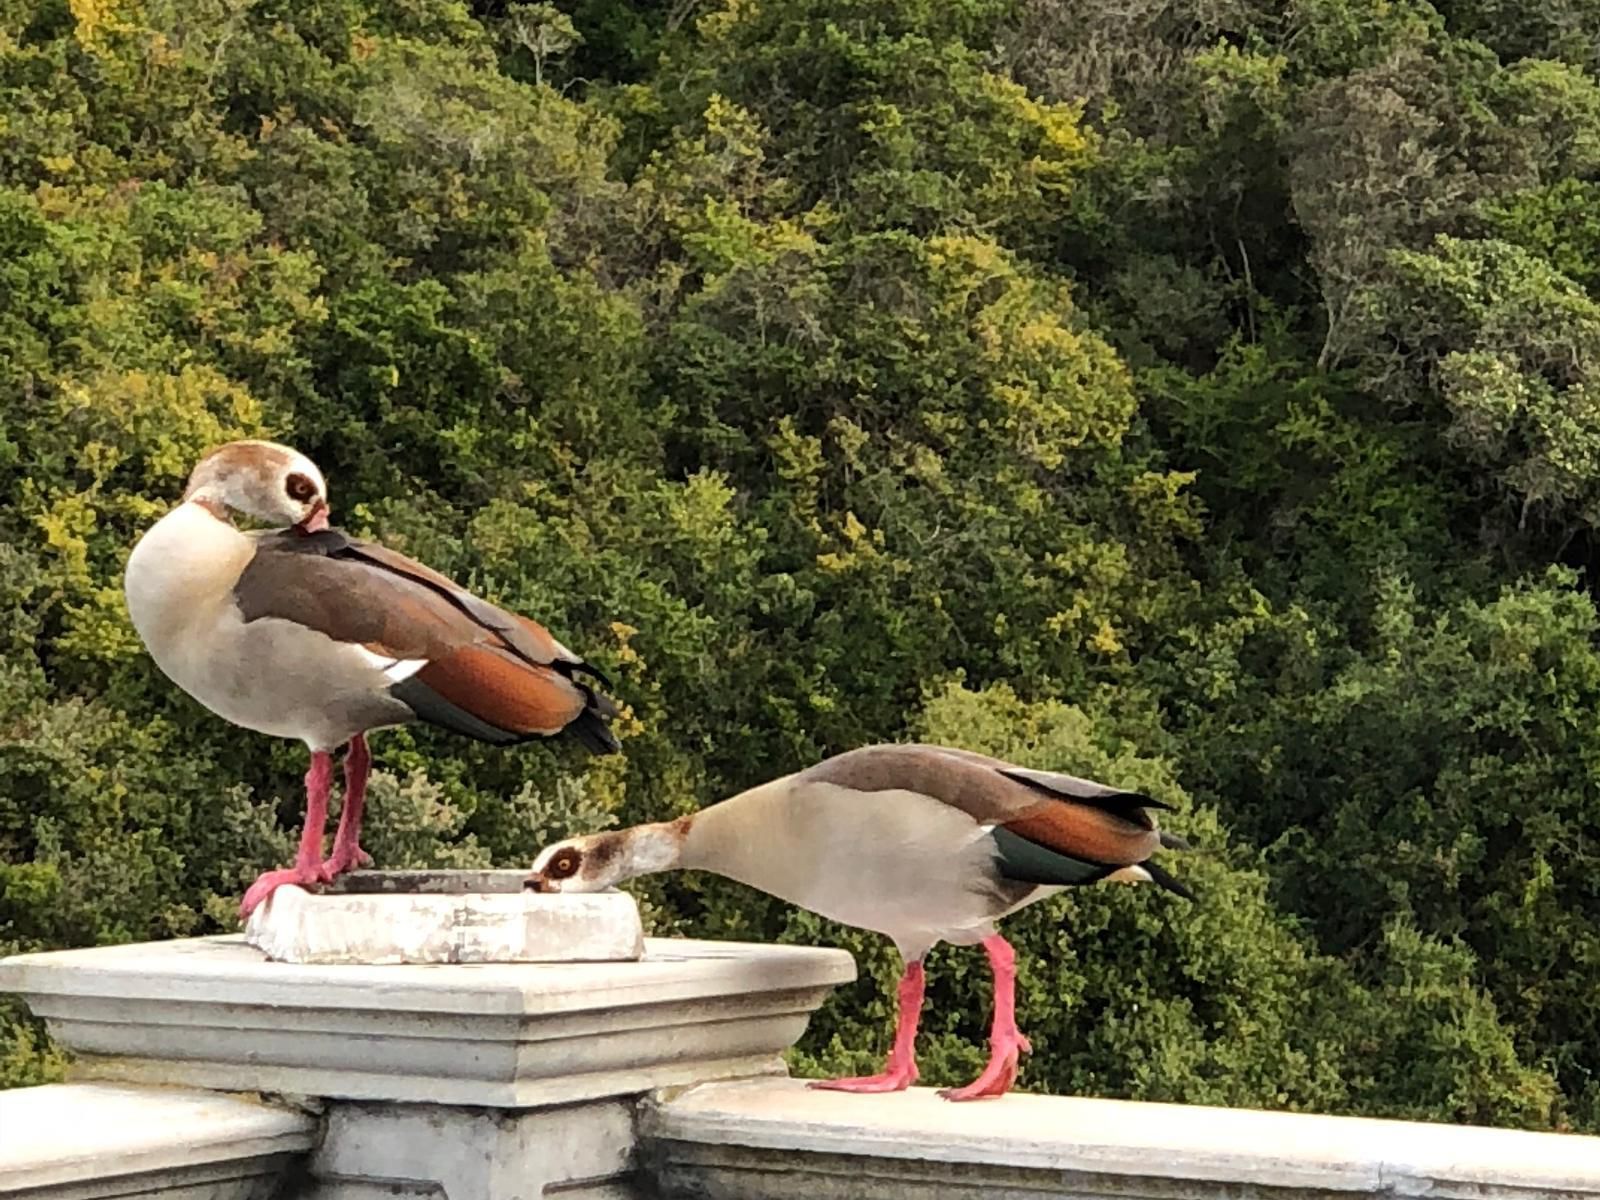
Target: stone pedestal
x,y
382,917
577,1152
467,1081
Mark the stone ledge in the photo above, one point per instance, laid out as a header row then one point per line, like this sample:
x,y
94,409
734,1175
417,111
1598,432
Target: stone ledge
x,y
772,1139
211,1012
79,1140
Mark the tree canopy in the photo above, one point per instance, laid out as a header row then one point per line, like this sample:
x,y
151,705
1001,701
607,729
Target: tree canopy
x,y
1192,395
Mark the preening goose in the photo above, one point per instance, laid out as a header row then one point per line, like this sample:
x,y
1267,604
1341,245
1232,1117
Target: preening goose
x,y
308,633
926,844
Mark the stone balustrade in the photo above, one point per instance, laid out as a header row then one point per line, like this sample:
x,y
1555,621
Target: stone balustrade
x,y
86,1141
204,1071
775,1139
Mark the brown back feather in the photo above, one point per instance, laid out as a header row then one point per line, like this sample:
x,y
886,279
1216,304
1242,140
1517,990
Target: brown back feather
x,y
351,602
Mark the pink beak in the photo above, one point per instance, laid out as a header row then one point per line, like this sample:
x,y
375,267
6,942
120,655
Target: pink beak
x,y
317,521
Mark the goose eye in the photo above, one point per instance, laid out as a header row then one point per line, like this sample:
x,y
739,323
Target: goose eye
x,y
563,865
300,488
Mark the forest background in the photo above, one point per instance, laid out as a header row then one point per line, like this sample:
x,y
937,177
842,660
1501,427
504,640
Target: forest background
x,y
1191,394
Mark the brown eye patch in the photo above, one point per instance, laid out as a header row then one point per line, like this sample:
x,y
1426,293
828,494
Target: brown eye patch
x,y
563,864
299,487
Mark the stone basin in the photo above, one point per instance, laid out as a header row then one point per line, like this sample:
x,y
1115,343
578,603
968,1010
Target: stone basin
x,y
389,917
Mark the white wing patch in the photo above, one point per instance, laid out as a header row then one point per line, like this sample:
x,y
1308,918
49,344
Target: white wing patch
x,y
394,669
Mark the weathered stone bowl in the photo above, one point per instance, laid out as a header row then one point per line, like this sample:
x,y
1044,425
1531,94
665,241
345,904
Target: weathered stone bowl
x,y
380,917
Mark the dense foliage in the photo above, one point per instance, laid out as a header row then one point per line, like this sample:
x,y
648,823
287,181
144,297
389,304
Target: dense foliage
x,y
1194,395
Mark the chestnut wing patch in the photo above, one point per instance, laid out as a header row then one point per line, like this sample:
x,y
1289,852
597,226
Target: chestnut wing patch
x,y
503,698
1088,834
1076,831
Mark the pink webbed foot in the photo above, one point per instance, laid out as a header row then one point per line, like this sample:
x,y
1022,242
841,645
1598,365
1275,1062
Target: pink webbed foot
x,y
308,869
892,1079
306,876
999,1076
1006,1045
900,1072
345,858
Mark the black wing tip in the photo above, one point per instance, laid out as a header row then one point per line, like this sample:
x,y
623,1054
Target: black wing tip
x,y
601,705
1173,841
1163,879
591,731
1112,800
1140,800
582,667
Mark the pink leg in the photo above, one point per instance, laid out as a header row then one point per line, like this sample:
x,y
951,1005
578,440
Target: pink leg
x,y
900,1072
307,869
347,852
1005,1043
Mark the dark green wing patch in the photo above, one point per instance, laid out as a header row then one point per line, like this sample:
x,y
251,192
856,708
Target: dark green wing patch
x,y
1028,862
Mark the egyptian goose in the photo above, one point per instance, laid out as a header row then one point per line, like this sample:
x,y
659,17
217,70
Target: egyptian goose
x,y
923,843
308,633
